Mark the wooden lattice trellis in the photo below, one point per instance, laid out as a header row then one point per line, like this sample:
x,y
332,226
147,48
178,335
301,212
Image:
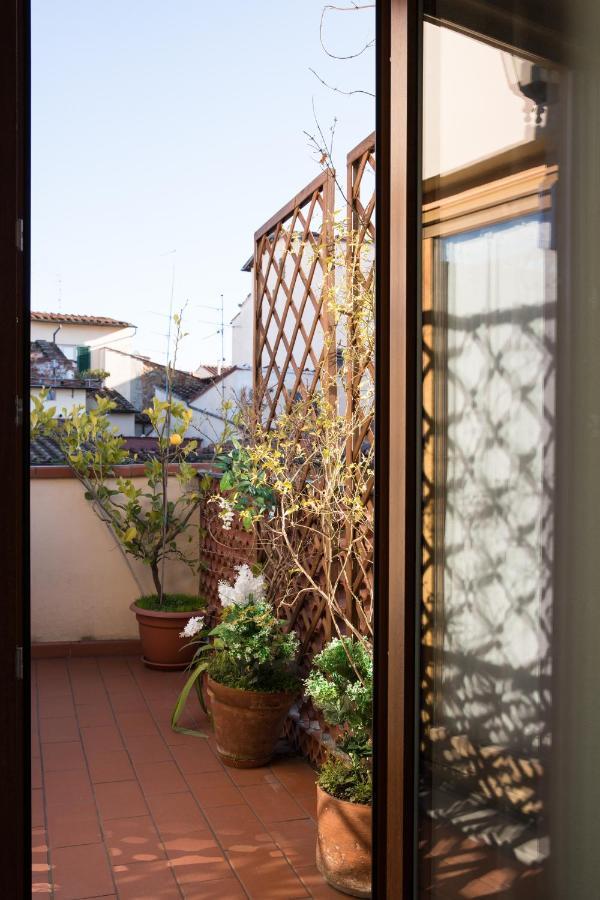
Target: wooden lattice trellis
x,y
361,380
295,355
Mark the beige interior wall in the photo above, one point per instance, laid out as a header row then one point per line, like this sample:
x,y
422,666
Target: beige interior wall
x,y
81,584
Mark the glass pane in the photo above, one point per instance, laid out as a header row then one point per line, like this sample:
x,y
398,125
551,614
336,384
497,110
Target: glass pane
x,y
489,331
509,737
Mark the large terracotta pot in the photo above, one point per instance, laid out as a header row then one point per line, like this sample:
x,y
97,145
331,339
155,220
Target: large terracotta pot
x,y
247,724
344,844
162,648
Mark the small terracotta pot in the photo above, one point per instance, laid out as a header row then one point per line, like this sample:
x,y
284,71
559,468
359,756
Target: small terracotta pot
x,y
344,844
247,724
162,648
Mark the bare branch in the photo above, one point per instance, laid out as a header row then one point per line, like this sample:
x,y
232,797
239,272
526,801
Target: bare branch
x,y
338,90
354,7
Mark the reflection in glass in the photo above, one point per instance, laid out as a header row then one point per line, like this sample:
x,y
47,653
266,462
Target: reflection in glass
x,y
489,329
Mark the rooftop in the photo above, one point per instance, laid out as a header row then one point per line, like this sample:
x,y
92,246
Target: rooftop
x,y
77,319
186,385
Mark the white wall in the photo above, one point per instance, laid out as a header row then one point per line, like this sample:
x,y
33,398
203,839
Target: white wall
x,y
65,398
81,585
69,337
242,334
208,408
124,371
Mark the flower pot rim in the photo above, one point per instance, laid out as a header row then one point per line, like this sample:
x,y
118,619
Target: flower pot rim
x,y
349,803
238,691
160,614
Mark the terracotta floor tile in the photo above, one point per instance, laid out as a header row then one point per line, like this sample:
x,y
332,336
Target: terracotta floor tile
x,y
243,777
36,749
146,881
195,758
297,839
148,786
237,827
40,865
272,802
224,889
69,825
136,723
110,765
56,706
73,787
83,665
299,779
176,814
63,756
127,701
99,713
113,664
266,875
120,800
147,748
132,840
160,778
36,772
81,872
61,728
89,692
37,809
196,857
119,681
174,739
101,737
294,771
306,798
213,789
316,884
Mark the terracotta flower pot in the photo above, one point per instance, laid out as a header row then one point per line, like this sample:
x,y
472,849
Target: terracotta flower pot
x,y
344,844
247,724
162,648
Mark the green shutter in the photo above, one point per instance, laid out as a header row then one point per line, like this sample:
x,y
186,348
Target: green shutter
x,y
84,359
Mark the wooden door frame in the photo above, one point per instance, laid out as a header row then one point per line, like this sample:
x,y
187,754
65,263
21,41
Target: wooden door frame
x,y
15,771
398,130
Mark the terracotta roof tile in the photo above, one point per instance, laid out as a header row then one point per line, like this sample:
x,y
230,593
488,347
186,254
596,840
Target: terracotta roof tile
x,y
76,319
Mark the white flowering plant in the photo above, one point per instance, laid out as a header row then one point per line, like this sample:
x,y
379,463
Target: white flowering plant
x,y
247,588
340,684
193,627
249,649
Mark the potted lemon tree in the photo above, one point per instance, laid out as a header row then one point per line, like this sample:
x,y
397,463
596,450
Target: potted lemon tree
x,y
150,519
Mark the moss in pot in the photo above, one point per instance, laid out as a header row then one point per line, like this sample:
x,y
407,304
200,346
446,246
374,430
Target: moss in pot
x,y
252,680
341,686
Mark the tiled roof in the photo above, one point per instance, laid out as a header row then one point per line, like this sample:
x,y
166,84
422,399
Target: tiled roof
x,y
214,370
186,386
122,404
75,319
44,451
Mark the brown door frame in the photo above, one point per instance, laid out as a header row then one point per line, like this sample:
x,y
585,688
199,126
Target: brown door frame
x,y
15,773
398,36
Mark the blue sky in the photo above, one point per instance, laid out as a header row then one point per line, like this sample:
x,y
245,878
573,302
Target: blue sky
x,y
176,126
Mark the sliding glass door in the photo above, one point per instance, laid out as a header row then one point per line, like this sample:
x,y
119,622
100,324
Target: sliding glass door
x,y
504,290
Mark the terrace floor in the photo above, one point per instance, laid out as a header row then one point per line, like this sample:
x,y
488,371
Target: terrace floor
x,y
124,807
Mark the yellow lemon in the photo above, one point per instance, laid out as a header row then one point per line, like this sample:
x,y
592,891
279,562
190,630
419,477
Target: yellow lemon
x,y
175,439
